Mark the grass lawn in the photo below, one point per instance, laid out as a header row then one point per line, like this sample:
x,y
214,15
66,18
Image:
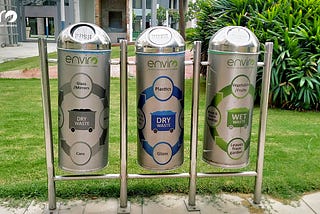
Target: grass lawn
x,y
291,155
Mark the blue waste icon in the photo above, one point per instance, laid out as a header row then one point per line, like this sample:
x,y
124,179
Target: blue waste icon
x,y
163,121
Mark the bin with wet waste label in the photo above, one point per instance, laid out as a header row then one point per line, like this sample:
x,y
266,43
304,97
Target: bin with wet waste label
x,y
231,78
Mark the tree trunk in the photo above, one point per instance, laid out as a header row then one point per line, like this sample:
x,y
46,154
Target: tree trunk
x,y
182,27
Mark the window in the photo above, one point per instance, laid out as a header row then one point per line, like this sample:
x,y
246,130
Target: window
x,y
137,4
115,20
40,26
39,2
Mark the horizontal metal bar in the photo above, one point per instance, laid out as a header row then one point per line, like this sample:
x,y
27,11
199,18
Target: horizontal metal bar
x,y
53,60
117,62
114,62
163,175
227,174
160,175
199,175
189,62
204,63
85,177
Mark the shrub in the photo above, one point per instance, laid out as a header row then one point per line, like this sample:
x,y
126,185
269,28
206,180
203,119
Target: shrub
x,y
161,15
294,28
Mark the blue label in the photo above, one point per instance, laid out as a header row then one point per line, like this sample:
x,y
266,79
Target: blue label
x,y
163,121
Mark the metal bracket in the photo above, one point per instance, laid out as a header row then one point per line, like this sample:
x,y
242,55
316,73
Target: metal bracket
x,y
191,208
124,210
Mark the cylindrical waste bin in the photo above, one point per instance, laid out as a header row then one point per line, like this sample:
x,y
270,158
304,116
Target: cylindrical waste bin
x,y
160,58
83,103
231,78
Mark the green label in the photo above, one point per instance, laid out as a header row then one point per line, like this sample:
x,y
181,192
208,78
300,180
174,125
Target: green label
x,y
238,117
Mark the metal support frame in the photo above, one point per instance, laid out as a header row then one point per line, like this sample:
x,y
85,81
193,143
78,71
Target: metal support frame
x,y
46,103
191,204
124,207
124,204
263,120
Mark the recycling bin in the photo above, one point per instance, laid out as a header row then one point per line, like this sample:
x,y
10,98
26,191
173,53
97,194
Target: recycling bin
x,y
231,78
83,101
160,54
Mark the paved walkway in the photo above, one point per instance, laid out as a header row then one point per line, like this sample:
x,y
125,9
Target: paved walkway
x,y
161,204
176,204
23,50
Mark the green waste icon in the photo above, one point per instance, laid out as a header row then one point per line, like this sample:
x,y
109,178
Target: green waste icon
x,y
238,118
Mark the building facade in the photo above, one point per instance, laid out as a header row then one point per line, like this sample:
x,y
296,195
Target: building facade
x,y
121,19
8,23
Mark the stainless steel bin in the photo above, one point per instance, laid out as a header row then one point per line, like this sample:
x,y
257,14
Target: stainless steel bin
x,y
160,54
83,103
232,54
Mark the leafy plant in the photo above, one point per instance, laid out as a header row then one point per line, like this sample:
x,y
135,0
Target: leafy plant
x,y
294,28
174,15
161,15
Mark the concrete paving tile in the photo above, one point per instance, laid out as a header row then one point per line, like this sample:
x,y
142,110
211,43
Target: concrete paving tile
x,y
221,204
35,207
168,204
272,206
71,207
101,206
15,207
135,208
8,210
313,200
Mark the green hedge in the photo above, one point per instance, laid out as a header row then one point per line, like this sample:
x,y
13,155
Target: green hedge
x,y
294,28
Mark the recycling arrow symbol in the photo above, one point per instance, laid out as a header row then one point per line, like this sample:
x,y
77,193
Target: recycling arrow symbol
x,y
143,98
236,146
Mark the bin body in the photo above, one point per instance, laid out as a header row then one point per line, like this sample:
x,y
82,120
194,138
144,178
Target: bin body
x,y
83,102
231,78
160,54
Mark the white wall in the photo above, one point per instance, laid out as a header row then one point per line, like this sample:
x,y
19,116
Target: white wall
x,y
87,11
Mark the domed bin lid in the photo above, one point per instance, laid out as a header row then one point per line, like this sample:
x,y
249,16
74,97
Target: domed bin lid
x,y
160,40
84,36
234,39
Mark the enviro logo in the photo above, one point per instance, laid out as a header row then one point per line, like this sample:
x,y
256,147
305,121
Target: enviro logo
x,y
81,60
241,62
7,18
163,64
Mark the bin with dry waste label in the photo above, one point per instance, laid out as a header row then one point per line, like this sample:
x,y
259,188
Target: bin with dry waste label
x,y
160,55
83,103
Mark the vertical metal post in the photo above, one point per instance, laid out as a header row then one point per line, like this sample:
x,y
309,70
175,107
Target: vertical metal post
x,y
263,120
153,13
124,207
46,103
191,205
62,14
144,14
76,10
